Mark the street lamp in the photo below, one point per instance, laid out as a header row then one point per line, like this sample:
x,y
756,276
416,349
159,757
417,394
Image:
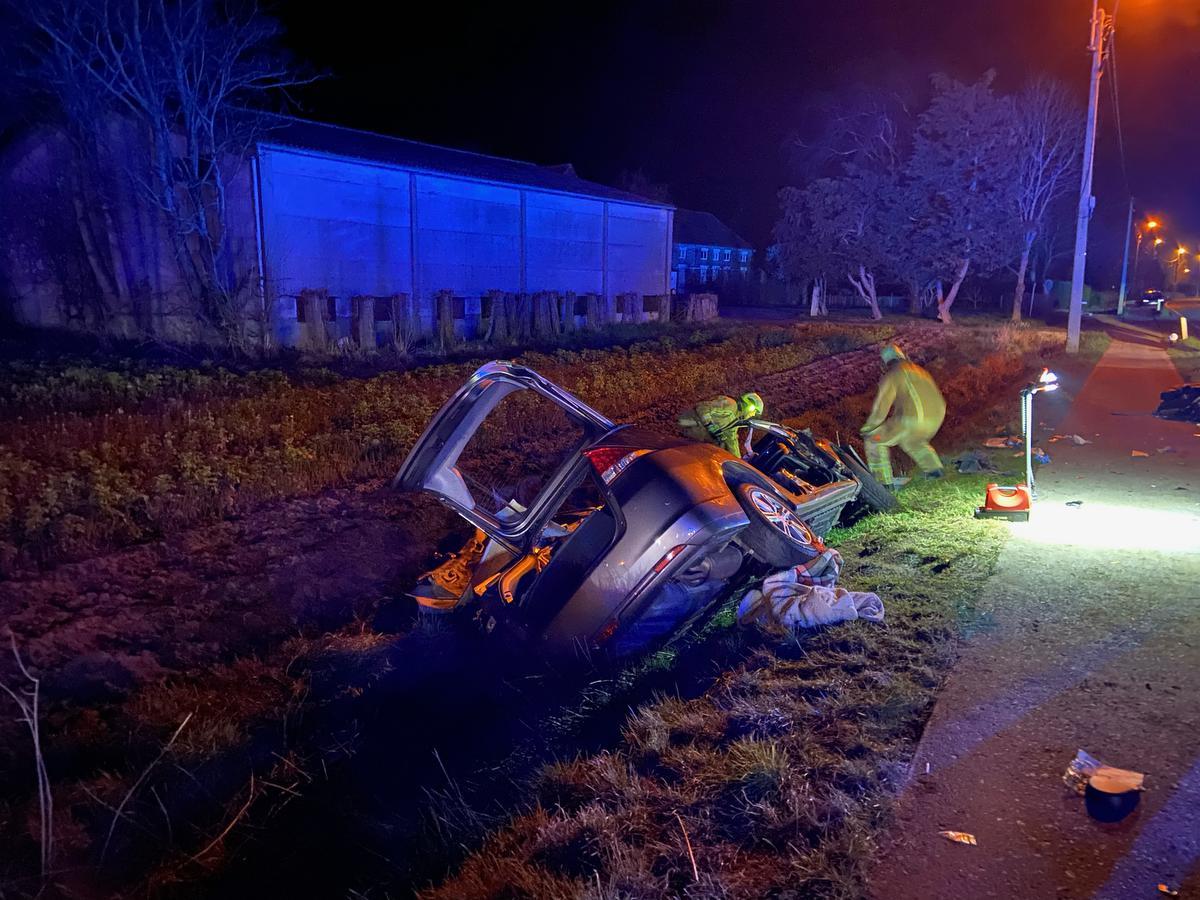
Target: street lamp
x,y
1142,230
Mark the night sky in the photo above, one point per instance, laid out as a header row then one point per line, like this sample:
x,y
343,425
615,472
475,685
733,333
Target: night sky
x,y
707,97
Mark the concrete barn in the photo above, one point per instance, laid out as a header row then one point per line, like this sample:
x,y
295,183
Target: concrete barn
x,y
338,214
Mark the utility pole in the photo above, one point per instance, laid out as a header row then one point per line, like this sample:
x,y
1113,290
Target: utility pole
x,y
1137,258
1125,261
1100,23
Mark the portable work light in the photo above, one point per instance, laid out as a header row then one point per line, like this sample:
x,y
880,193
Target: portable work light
x,y
1014,503
1047,381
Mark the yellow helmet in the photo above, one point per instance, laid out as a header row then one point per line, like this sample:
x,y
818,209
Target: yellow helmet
x,y
892,353
750,406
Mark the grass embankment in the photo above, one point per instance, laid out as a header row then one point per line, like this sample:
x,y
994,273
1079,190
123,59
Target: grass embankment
x,y
778,776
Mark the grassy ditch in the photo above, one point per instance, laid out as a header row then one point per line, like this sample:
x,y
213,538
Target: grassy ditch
x,y
243,714
777,777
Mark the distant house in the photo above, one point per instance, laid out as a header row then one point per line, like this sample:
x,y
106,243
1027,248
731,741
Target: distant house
x,y
706,252
348,213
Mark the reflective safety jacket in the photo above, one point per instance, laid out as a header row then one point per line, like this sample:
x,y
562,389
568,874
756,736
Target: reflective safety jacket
x,y
912,397
716,416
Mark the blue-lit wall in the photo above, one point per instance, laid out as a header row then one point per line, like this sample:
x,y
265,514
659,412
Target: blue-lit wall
x,y
354,227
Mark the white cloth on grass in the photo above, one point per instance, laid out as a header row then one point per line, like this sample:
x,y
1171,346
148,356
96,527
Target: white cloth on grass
x,y
783,601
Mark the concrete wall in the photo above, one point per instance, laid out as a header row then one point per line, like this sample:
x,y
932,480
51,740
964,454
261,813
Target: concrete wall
x,y
345,226
354,227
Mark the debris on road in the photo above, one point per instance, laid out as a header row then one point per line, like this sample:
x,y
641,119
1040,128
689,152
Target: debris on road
x,y
974,461
1040,456
1085,770
1110,794
1074,504
1181,404
1170,892
1077,439
1002,442
960,837
1138,453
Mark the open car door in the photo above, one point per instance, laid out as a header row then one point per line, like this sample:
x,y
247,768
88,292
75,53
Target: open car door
x,y
502,450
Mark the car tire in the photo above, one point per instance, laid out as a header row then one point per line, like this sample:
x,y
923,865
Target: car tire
x,y
871,494
775,535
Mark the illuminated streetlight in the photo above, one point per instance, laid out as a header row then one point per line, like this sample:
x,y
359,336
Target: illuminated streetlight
x,y
1151,224
1158,241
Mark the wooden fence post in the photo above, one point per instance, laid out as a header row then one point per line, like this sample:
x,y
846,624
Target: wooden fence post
x,y
315,303
362,322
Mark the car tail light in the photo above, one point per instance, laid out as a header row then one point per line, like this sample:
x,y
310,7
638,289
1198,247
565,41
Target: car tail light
x,y
666,560
609,629
611,461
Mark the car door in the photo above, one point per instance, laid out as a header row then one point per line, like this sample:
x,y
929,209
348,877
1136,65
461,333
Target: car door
x,y
502,449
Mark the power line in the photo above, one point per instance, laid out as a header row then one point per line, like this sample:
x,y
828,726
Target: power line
x,y
1116,102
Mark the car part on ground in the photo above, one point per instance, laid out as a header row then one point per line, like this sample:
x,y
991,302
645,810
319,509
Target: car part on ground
x,y
609,539
1181,404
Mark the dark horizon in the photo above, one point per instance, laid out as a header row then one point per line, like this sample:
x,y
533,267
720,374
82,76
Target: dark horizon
x,y
705,97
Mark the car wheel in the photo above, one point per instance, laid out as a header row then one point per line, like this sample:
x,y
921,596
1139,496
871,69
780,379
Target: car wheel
x,y
776,535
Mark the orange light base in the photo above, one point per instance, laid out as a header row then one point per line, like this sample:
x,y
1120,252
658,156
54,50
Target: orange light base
x,y
1012,503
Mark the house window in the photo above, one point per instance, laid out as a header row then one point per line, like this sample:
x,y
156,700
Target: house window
x,y
725,256
745,256
744,271
704,254
703,274
683,252
716,253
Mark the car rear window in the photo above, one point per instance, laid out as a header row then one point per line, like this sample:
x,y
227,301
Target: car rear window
x,y
516,450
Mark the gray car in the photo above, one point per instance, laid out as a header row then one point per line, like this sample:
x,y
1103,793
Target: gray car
x,y
613,537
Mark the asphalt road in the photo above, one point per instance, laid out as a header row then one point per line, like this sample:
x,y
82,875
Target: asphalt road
x,y
1092,641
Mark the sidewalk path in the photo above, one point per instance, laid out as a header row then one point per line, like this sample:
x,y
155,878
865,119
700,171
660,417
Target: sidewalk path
x,y
1091,639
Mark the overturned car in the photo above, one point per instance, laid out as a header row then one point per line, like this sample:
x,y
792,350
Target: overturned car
x,y
599,538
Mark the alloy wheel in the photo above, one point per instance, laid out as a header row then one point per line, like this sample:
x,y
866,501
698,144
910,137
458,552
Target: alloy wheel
x,y
780,517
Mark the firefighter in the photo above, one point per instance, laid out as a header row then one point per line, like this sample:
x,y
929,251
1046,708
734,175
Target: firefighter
x,y
908,412
716,421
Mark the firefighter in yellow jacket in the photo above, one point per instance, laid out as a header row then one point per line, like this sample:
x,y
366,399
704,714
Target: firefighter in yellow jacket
x,y
908,412
716,420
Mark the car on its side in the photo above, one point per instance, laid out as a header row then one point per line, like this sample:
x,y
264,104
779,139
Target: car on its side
x,y
613,538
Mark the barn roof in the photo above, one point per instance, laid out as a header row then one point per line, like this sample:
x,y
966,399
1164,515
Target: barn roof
x,y
337,140
692,227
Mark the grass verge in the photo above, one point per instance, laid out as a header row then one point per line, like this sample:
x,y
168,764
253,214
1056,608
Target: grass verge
x,y
777,777
1186,356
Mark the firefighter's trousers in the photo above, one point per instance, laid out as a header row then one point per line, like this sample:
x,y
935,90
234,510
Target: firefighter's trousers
x,y
912,438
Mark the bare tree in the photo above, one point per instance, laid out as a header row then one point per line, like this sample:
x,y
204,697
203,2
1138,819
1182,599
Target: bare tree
x,y
1048,141
188,78
961,170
